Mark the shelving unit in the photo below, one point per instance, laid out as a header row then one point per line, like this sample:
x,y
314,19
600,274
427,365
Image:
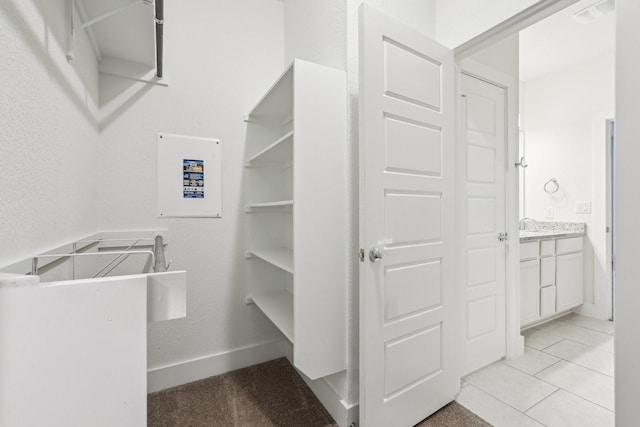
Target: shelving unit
x,y
281,151
278,306
272,204
281,258
295,183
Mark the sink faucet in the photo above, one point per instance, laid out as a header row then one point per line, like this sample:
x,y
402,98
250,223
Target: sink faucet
x,y
524,223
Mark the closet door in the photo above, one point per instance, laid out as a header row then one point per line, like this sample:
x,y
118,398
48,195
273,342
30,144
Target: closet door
x,y
482,211
407,335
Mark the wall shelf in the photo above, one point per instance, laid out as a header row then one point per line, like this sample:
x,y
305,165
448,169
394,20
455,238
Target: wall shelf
x,y
269,205
278,307
281,151
281,258
296,178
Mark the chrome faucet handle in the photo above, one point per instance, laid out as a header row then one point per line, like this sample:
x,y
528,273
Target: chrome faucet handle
x,y
522,224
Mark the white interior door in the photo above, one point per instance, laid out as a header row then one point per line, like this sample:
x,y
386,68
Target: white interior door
x,y
407,333
482,195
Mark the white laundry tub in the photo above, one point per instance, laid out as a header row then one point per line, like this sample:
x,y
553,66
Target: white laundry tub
x,y
74,353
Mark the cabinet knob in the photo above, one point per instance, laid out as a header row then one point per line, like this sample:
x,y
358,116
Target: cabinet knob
x,y
375,254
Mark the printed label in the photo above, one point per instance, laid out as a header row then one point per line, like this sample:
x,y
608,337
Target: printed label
x,y
193,179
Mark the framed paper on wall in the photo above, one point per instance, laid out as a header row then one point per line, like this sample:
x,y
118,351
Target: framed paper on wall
x,y
189,176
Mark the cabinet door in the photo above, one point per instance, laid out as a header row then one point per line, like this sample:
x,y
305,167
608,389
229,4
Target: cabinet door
x,y
529,291
569,281
547,301
547,271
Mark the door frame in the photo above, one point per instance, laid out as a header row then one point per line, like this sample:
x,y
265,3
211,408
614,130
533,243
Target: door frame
x,y
601,307
514,341
529,16
610,257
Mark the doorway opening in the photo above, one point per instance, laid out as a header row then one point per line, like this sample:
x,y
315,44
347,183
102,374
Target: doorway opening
x,y
565,66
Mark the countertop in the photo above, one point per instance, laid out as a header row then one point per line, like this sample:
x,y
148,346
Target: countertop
x,y
530,235
542,230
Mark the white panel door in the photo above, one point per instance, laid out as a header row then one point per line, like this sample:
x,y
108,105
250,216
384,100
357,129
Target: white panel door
x,y
407,333
483,197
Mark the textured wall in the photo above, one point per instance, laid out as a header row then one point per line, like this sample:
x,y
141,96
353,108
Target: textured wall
x,y
316,31
220,58
48,132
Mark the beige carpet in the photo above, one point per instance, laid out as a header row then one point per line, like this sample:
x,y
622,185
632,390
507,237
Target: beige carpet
x,y
270,394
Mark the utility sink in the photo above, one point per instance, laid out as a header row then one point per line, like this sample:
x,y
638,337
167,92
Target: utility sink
x,y
166,292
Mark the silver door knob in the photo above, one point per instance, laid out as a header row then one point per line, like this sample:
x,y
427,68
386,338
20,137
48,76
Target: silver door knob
x,y
503,236
375,254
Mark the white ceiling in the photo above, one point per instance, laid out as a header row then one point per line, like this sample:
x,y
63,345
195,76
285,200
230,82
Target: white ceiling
x,y
559,41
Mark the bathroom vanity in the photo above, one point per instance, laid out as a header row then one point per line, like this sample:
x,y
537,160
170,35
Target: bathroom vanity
x,y
551,276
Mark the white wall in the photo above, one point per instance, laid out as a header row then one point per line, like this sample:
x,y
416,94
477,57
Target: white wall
x,y
220,58
502,56
316,32
627,204
559,113
48,131
458,21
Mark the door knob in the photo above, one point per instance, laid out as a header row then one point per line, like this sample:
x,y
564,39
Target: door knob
x,y
503,236
375,254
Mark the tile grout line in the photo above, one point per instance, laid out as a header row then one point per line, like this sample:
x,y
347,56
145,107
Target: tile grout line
x,y
543,350
568,391
576,363
572,394
550,332
591,329
504,362
537,403
510,406
546,382
558,320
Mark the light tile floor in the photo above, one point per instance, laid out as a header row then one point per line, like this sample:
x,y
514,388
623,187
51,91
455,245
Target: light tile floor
x,y
564,378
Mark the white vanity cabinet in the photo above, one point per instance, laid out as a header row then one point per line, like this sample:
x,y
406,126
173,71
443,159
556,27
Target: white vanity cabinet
x,y
551,278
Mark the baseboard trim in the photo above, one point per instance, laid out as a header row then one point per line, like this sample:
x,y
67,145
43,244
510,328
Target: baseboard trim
x,y
176,374
591,310
342,412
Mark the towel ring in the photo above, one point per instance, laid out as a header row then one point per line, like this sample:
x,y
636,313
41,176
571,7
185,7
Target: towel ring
x,y
551,186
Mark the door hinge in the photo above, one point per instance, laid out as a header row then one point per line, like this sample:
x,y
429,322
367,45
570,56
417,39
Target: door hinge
x,y
361,255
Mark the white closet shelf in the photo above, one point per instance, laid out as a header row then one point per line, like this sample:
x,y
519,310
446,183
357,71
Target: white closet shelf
x,y
274,204
281,151
281,257
278,307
